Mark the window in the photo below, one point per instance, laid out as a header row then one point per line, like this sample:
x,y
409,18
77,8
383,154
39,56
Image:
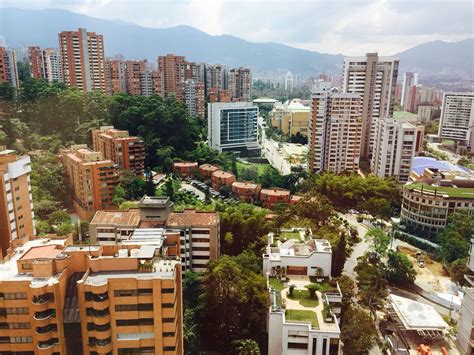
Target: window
x,y
17,340
297,346
139,321
134,307
167,305
15,296
169,348
168,334
18,310
20,325
167,290
168,320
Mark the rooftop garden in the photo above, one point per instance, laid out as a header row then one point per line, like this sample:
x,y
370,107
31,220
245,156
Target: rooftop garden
x,y
278,286
304,297
302,316
289,235
450,191
325,286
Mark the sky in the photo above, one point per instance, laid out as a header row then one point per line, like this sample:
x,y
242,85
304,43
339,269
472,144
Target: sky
x,y
329,26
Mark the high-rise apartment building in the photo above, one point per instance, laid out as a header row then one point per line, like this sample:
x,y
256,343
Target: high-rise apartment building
x,y
394,149
126,151
146,83
195,98
60,298
36,61
289,83
217,77
83,61
92,178
240,84
115,74
334,133
173,71
52,65
408,80
374,78
16,203
8,67
457,117
133,70
233,126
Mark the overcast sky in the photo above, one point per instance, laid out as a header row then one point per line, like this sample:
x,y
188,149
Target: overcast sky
x,y
333,26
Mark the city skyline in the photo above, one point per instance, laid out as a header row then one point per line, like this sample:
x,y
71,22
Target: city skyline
x,y
336,26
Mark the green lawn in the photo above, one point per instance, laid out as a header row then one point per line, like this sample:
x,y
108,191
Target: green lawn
x,y
303,297
450,191
278,286
261,167
300,315
290,235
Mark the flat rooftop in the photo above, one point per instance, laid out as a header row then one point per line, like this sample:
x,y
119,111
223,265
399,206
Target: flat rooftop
x,y
294,248
221,174
454,192
162,269
154,201
122,218
192,218
245,185
416,315
9,268
185,164
275,192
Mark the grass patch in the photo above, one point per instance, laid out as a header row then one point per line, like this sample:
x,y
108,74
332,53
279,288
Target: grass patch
x,y
260,167
302,296
302,316
278,286
451,191
290,235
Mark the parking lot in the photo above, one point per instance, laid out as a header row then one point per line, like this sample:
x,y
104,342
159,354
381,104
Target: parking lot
x,y
199,189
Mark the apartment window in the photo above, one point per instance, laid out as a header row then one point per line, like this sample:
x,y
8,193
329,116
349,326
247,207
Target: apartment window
x,y
201,257
18,310
137,351
21,340
200,248
139,321
134,307
297,346
169,348
145,291
168,334
125,293
168,320
167,290
15,296
19,325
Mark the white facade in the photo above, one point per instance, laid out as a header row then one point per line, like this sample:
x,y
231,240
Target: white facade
x,y
408,80
292,338
394,149
146,83
289,83
335,131
299,258
374,78
457,117
232,126
52,65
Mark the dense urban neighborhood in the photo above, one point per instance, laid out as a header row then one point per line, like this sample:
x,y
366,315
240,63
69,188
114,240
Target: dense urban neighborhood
x,y
182,207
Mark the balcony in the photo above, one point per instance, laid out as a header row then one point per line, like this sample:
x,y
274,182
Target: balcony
x,y
45,314
46,329
44,345
41,299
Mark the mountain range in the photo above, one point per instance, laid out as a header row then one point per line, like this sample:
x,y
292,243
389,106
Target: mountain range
x,y
23,28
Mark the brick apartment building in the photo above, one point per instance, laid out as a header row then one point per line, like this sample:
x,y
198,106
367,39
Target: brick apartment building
x,y
59,298
271,197
128,152
93,179
246,191
185,169
16,203
220,178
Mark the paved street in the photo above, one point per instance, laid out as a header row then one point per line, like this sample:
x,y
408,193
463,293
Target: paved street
x,y
359,248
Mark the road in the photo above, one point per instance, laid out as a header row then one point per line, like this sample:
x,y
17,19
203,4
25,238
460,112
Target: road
x,y
359,249
270,151
452,157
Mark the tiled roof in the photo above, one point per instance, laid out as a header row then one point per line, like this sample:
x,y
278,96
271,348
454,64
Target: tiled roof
x,y
42,252
192,218
123,218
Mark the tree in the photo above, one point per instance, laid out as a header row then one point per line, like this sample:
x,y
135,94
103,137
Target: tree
x,y
458,269
312,288
454,239
58,217
190,333
225,191
247,347
150,185
400,269
339,256
235,300
207,195
169,189
347,286
7,91
358,332
379,240
249,173
371,283
118,196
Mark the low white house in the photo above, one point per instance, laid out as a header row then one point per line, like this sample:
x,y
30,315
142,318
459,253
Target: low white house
x,y
310,258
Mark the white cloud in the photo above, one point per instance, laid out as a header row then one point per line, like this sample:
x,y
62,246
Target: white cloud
x,y
332,26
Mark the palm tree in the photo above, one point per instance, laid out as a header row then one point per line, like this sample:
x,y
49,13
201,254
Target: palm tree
x,y
247,347
190,332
